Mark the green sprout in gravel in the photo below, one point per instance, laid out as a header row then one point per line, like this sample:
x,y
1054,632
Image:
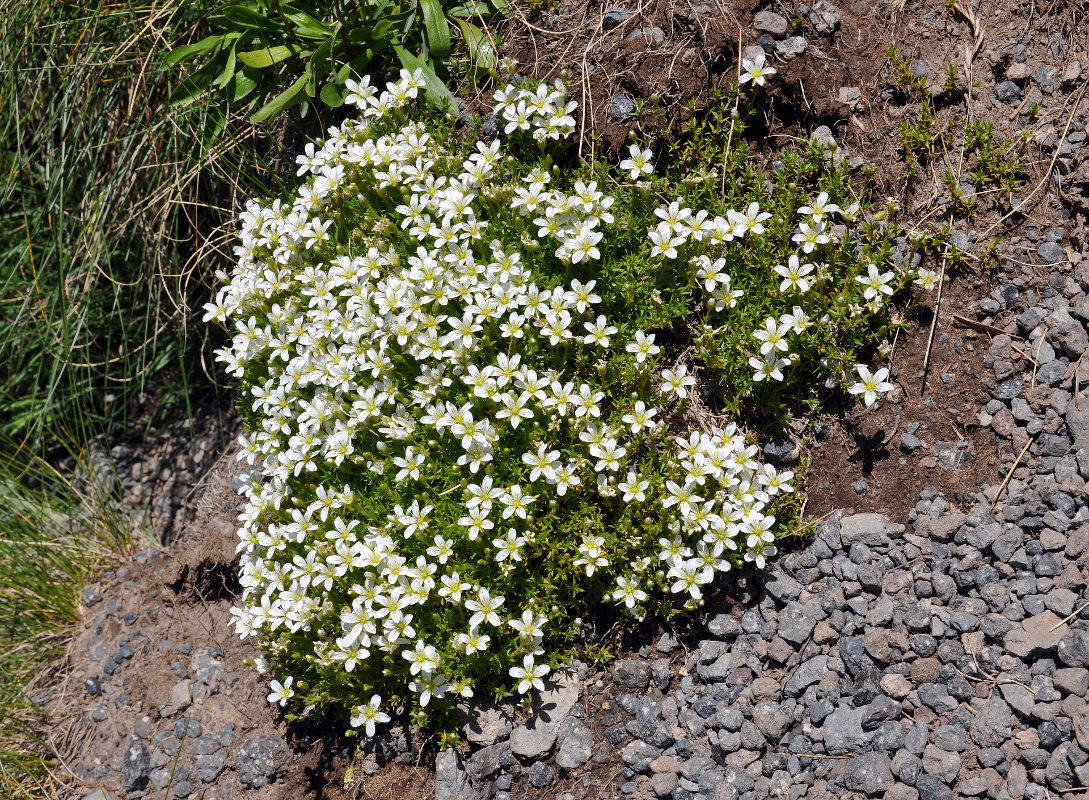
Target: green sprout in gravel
x,y
471,404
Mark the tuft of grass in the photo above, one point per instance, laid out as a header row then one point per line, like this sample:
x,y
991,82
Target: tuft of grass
x,y
54,536
112,210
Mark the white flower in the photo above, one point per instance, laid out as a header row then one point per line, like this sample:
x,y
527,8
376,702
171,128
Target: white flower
x,y
634,488
875,283
819,209
809,236
772,337
794,275
926,279
640,418
368,714
599,332
677,381
281,692
665,243
484,608
870,386
529,675
638,162
797,320
768,367
755,70
628,591
643,346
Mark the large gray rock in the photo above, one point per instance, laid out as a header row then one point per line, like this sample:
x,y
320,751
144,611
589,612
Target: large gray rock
x,y
992,724
576,746
1037,637
632,673
534,738
770,22
843,732
451,781
806,675
135,765
260,759
797,620
638,755
942,763
867,529
869,773
486,724
1073,648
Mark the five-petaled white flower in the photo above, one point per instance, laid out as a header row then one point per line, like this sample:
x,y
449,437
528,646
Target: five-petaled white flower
x,y
755,70
530,674
638,162
368,714
870,386
875,282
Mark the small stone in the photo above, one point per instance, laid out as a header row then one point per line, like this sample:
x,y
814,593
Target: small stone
x,y
1009,93
791,47
1018,71
849,95
910,443
621,107
869,773
1071,74
541,775
1074,680
576,747
451,780
809,673
1051,253
135,765
782,452
941,763
614,17
260,759
770,22
825,17
1073,647
1047,78
210,766
638,755
895,685
992,723
930,787
93,687
867,529
843,731
772,721
632,674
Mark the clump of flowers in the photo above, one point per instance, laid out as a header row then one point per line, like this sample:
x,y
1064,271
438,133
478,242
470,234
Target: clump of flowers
x,y
464,420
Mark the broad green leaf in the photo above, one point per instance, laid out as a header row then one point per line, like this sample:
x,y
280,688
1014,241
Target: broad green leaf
x,y
318,61
286,98
248,18
438,31
228,69
242,85
333,94
180,54
473,9
435,88
306,25
481,51
268,56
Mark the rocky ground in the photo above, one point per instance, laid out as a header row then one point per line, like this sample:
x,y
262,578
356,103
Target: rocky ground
x,y
929,639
